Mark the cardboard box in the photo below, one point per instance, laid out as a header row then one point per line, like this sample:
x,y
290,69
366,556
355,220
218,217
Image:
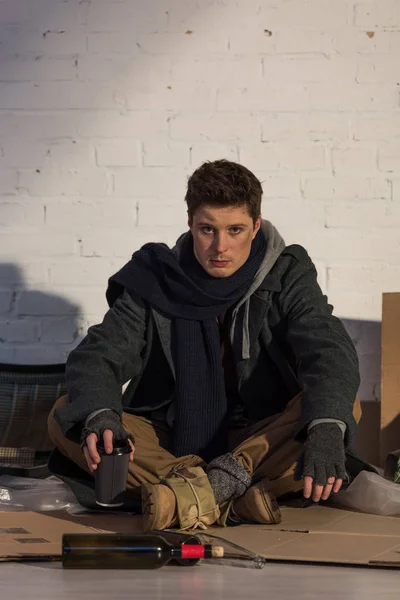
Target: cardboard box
x,y
378,432
367,441
390,388
316,535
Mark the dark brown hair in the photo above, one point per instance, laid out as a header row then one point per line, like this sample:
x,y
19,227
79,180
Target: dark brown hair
x,y
224,183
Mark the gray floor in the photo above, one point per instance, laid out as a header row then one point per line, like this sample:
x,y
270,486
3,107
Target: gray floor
x,y
50,582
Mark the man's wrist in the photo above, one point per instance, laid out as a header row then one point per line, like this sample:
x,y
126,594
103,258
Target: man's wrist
x,y
341,424
95,413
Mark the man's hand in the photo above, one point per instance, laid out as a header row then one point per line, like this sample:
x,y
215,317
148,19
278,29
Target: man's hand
x,y
106,425
324,461
90,449
321,492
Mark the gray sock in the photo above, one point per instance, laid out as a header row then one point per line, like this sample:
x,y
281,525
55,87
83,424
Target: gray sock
x,y
227,478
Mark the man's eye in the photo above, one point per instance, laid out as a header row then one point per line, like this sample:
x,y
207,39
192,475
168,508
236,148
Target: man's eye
x,y
207,229
236,229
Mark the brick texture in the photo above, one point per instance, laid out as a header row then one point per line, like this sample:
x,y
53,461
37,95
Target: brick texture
x,y
106,108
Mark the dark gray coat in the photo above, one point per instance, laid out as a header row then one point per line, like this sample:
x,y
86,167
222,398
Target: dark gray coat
x,y
295,344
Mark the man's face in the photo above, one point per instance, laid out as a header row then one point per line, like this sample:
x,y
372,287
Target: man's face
x,y
222,238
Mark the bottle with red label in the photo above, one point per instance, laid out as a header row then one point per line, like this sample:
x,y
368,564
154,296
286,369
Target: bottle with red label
x,y
129,551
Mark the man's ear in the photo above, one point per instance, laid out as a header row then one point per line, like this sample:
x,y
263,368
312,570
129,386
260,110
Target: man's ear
x,y
190,221
257,226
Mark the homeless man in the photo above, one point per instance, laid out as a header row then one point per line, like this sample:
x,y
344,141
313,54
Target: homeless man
x,y
242,384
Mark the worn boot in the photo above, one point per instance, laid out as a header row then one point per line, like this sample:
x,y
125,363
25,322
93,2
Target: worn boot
x,y
159,507
257,505
184,500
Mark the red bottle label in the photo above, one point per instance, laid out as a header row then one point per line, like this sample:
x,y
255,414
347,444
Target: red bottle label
x,y
192,551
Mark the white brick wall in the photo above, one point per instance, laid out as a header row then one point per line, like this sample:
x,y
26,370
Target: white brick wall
x,y
107,106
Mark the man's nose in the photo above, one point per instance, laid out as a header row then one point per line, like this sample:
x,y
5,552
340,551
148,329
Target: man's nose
x,y
220,243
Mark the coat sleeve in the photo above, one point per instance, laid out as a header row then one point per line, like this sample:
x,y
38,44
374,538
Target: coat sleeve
x,y
326,359
109,355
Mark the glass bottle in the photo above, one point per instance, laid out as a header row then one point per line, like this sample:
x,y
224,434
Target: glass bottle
x,y
128,551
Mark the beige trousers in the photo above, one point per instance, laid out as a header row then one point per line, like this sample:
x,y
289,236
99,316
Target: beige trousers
x,y
265,448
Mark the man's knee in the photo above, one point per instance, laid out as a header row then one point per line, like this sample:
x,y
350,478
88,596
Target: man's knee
x,y
53,428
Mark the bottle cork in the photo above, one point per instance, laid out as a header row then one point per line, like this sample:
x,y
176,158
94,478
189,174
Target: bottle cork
x,y
217,551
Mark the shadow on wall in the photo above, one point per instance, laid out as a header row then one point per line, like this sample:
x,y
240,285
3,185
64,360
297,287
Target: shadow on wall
x,y
42,327
36,327
366,336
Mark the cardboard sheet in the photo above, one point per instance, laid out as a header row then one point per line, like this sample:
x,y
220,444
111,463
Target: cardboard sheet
x,y
390,387
317,535
29,533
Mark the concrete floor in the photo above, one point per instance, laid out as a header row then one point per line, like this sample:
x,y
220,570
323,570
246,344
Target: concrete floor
x,y
48,581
